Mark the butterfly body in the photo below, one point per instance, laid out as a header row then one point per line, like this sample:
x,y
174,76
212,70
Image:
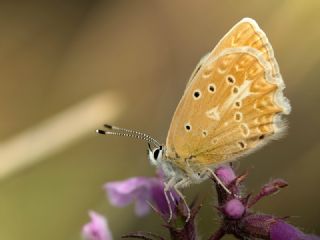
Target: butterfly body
x,y
177,169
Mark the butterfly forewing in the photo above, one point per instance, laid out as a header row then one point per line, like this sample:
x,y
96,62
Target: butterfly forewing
x,y
245,33
233,103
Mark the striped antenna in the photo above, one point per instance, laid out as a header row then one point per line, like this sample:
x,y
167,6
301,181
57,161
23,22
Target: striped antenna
x,y
117,131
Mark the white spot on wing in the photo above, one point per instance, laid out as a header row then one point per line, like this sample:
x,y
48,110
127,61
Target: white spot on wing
x,y
221,71
243,91
207,73
238,68
245,129
213,113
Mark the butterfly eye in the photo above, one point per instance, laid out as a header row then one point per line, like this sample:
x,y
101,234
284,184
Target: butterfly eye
x,y
156,154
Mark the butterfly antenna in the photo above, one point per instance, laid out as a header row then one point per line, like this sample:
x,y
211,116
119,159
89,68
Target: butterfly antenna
x,y
133,132
128,133
125,135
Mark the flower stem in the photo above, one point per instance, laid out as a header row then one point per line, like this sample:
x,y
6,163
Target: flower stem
x,y
217,235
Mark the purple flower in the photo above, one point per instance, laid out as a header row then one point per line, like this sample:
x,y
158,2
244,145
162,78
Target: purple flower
x,y
239,220
273,187
234,209
97,228
284,231
270,188
142,191
229,179
225,174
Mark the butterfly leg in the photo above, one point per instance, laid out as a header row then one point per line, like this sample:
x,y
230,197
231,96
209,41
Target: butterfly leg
x,y
218,180
181,183
172,198
166,189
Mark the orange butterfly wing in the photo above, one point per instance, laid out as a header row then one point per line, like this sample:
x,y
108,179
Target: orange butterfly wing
x,y
233,102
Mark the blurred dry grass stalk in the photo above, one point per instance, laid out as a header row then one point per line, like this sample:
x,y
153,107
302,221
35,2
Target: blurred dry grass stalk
x,y
58,132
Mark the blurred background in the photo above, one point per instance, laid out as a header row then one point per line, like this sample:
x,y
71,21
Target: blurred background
x,y
68,66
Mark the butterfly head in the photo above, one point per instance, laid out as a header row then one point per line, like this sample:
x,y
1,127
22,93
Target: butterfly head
x,y
156,155
156,151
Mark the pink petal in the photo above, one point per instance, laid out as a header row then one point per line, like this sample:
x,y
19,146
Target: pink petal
x,y
97,228
137,189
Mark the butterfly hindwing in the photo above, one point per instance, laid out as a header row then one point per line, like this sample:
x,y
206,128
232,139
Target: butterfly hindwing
x,y
234,102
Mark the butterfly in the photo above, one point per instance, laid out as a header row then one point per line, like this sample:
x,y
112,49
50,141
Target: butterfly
x,y
232,105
